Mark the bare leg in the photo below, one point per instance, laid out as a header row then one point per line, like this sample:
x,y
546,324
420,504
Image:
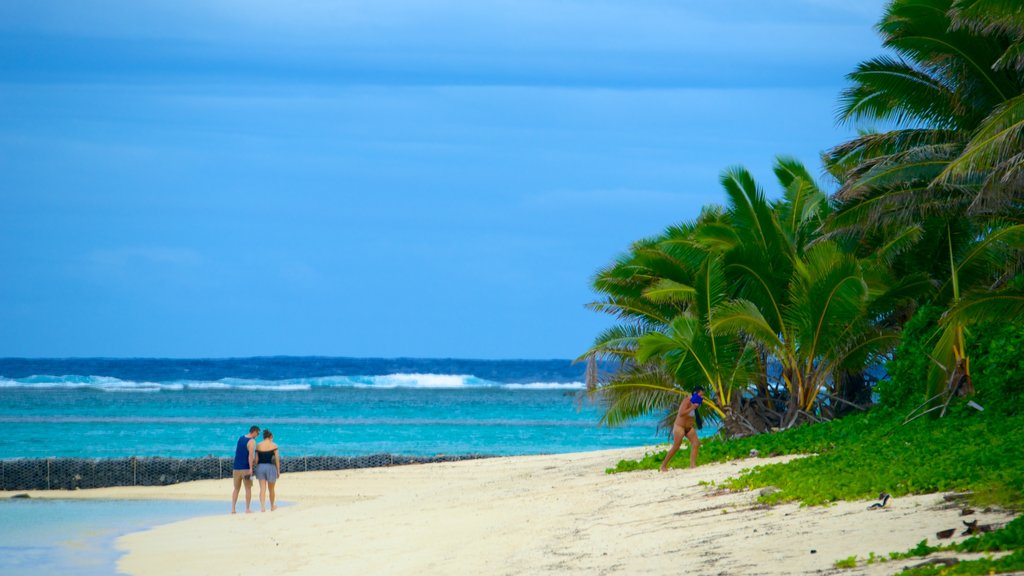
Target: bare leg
x,y
273,497
248,494
234,494
263,495
694,447
677,441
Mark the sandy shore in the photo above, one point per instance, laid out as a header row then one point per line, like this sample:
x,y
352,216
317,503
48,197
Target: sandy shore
x,y
525,515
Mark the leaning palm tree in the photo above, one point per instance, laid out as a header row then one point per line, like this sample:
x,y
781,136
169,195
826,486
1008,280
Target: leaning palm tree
x,y
645,290
691,349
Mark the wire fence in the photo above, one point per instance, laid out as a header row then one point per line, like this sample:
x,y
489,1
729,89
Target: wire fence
x,y
78,473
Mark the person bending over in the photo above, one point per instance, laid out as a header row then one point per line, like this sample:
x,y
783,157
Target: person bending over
x,y
686,427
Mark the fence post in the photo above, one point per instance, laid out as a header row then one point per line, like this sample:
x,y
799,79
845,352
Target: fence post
x,y
48,473
135,471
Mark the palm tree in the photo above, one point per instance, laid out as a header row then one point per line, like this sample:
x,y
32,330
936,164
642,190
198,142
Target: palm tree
x,y
942,186
993,155
952,97
646,290
720,301
802,299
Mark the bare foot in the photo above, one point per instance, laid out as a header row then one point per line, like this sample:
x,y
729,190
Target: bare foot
x,y
232,511
272,508
663,469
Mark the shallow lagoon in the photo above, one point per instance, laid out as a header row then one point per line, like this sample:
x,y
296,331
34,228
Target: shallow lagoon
x,y
44,536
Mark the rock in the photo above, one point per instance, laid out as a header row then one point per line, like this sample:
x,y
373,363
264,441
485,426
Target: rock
x,y
769,490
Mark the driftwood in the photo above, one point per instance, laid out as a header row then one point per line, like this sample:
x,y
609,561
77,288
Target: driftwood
x,y
975,528
936,562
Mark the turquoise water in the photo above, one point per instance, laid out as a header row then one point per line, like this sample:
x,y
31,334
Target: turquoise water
x,y
197,408
106,408
77,536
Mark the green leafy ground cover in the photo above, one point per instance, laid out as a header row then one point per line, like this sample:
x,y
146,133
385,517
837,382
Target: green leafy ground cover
x,y
1009,538
861,455
864,454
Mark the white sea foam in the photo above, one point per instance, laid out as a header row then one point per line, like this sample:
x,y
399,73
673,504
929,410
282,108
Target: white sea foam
x,y
546,386
276,387
427,381
387,381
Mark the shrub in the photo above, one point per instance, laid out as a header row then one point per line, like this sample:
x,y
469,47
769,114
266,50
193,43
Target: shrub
x,y
997,355
908,370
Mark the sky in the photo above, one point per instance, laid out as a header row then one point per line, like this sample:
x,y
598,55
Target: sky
x,y
386,178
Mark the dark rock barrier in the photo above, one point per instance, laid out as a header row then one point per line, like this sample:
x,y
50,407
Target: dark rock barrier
x,y
75,473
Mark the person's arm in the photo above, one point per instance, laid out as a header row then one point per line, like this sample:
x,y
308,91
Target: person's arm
x,y
277,460
252,454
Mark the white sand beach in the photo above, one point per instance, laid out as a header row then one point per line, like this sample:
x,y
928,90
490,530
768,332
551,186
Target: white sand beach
x,y
553,514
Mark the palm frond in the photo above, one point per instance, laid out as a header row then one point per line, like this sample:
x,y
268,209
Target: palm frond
x,y
842,160
994,147
891,89
666,290
987,306
635,392
743,316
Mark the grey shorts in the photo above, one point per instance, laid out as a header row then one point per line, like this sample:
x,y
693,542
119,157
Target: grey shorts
x,y
266,472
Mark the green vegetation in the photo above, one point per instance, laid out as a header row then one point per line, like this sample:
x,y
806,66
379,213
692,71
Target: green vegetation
x,y
1011,563
861,455
1009,538
850,562
779,308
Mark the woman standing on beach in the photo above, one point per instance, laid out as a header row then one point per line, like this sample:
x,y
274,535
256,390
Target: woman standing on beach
x,y
268,469
686,427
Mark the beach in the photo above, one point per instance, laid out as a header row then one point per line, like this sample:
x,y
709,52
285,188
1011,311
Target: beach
x,y
550,514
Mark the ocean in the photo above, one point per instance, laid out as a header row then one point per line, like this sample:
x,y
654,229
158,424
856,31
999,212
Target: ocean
x,y
106,408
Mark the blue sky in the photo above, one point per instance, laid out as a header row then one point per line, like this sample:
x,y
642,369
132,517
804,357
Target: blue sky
x,y
378,179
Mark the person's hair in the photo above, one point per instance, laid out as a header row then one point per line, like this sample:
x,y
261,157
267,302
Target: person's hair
x,y
698,389
254,429
267,434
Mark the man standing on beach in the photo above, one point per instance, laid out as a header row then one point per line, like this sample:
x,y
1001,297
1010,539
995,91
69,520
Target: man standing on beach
x,y
241,473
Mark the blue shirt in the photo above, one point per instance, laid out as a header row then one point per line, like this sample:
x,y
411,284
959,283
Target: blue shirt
x,y
242,453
